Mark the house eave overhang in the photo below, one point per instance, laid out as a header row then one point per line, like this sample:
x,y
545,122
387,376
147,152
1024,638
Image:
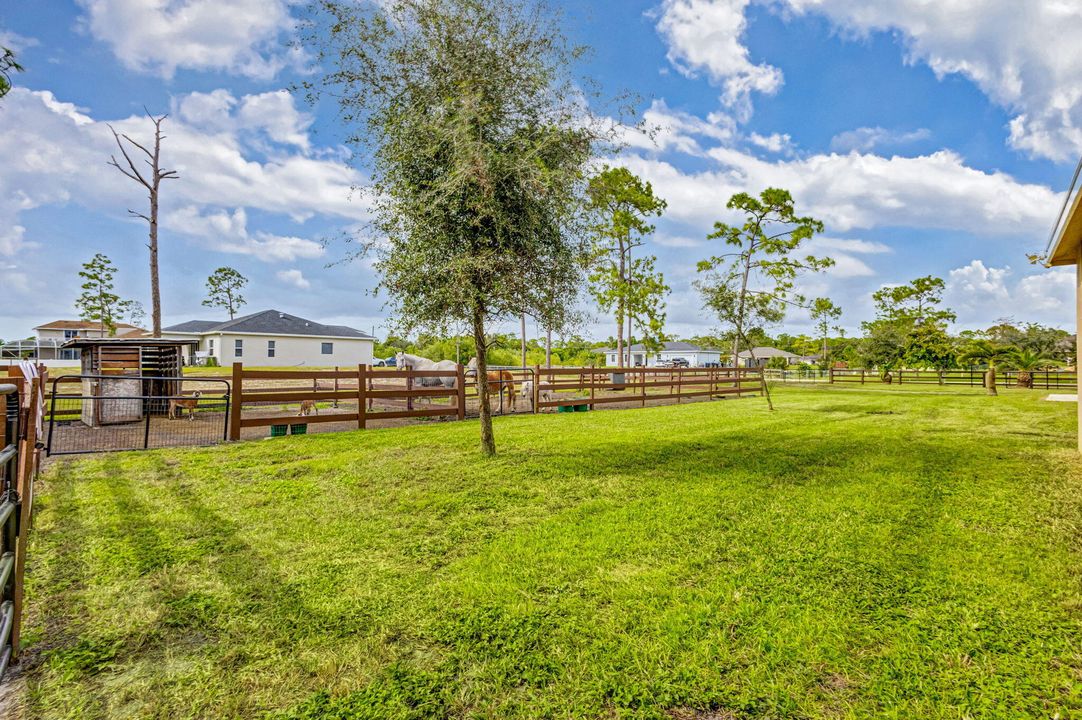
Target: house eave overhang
x,y
1066,249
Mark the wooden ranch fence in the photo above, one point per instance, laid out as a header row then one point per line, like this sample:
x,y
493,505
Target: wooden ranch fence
x,y
22,400
374,391
364,395
631,385
1043,380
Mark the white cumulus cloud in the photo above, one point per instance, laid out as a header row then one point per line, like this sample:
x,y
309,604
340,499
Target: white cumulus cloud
x,y
866,139
244,37
859,191
1023,54
228,232
704,36
54,153
295,278
981,295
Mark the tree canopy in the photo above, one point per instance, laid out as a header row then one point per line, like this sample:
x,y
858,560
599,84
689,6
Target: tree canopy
x,y
223,290
620,205
754,284
98,303
8,66
478,144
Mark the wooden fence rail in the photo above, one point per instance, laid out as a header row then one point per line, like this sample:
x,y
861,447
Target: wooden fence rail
x,y
1041,379
22,401
390,393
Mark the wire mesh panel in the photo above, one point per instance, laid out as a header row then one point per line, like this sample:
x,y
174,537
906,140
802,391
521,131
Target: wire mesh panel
x,y
101,413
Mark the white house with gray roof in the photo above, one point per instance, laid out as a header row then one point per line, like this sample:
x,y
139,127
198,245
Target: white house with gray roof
x,y
637,355
274,338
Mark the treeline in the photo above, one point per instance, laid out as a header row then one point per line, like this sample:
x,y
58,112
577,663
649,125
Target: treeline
x,y
911,331
503,349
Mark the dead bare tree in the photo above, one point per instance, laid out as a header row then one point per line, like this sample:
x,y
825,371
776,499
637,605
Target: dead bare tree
x,y
152,184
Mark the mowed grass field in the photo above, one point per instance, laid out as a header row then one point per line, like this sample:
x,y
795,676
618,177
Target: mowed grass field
x,y
859,553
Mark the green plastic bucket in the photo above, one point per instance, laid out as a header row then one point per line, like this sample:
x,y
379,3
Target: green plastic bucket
x,y
279,430
301,429
582,408
565,408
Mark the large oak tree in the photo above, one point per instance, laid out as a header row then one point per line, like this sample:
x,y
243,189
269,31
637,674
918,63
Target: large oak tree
x,y
476,137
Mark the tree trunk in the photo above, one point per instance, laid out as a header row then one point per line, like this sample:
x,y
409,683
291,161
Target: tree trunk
x,y
627,309
523,363
488,440
620,315
1025,379
766,386
990,380
155,294
548,348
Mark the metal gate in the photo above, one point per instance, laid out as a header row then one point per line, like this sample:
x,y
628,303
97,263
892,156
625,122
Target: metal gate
x,y
9,519
102,413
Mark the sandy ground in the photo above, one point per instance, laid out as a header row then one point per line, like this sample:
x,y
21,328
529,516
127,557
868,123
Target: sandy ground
x,y
207,426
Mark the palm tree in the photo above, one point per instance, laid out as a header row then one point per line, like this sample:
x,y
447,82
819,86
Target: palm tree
x,y
985,352
1025,361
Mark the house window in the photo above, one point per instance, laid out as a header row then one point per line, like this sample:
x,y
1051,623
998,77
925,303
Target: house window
x,y
270,348
69,334
238,348
210,346
327,348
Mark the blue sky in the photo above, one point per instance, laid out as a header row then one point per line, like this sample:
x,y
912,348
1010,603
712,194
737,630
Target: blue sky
x,y
931,139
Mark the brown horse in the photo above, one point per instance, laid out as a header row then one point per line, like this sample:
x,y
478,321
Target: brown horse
x,y
499,381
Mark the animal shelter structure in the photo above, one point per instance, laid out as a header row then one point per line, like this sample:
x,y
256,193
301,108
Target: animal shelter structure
x,y
123,379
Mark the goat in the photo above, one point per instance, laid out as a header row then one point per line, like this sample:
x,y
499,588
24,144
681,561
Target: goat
x,y
177,406
542,395
308,407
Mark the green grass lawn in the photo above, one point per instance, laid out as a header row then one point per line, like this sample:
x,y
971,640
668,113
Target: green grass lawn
x,y
859,553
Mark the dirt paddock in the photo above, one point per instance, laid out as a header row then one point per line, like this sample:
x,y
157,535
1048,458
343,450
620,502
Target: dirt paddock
x,y
207,426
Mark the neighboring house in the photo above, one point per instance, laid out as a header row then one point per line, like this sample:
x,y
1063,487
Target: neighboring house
x,y
274,338
48,339
763,355
637,355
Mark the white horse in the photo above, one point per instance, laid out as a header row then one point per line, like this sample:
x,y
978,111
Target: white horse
x,y
416,362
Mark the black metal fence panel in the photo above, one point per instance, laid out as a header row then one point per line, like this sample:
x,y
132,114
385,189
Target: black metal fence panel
x,y
9,518
102,413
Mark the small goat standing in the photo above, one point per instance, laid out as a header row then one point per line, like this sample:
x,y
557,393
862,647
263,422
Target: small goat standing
x,y
542,395
177,406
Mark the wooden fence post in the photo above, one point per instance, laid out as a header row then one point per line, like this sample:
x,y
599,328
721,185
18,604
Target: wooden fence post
x,y
236,397
643,375
362,395
593,382
536,388
862,376
830,372
24,487
460,383
409,387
